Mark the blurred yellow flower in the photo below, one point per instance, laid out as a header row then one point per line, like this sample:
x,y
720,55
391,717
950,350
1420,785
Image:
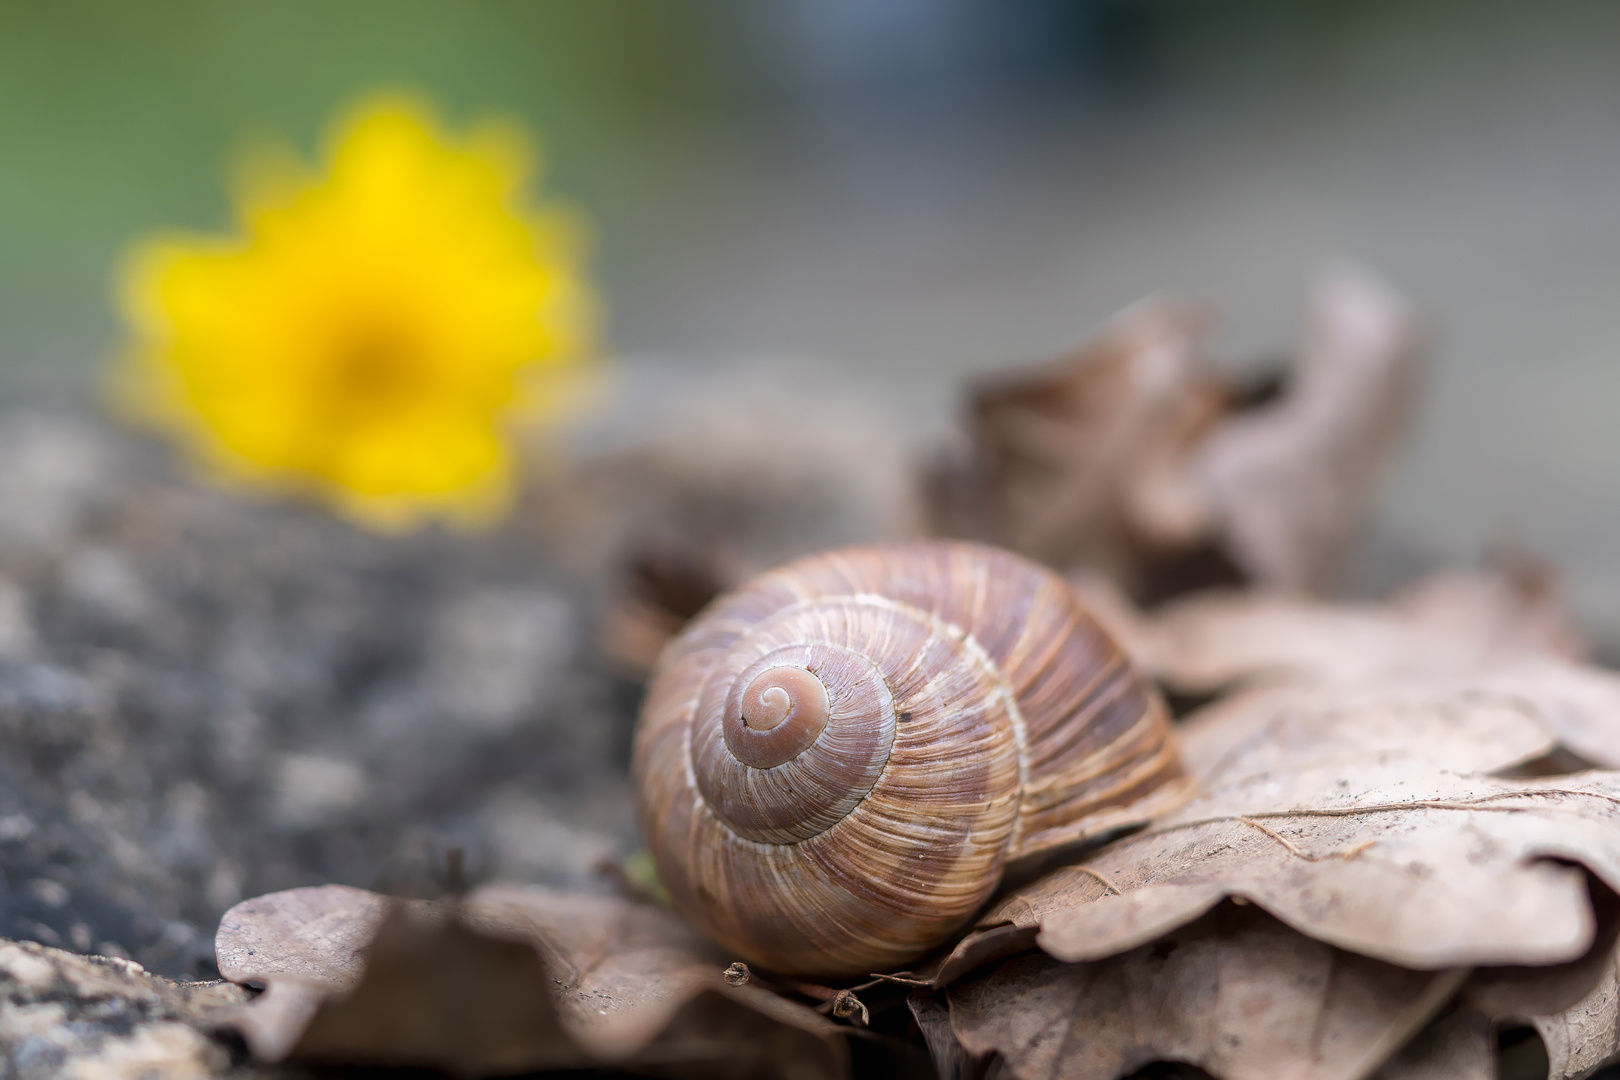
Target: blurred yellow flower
x,y
374,331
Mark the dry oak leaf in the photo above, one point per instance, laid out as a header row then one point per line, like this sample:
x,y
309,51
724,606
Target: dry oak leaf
x,y
1585,1035
933,1018
1139,458
1564,1014
1420,651
1569,1043
1289,482
637,977
1453,620
1450,622
571,981
1428,872
438,992
1460,1044
305,945
1074,461
1370,827
1234,992
1260,751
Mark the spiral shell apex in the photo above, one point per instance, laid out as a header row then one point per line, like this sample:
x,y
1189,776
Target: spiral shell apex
x,y
835,762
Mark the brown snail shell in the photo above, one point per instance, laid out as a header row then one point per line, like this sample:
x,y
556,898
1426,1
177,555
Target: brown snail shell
x,y
835,762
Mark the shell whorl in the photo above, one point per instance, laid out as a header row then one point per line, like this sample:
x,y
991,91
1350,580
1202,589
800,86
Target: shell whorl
x,y
834,763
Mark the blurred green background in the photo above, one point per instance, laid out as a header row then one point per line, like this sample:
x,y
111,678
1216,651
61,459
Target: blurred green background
x,y
901,192
115,118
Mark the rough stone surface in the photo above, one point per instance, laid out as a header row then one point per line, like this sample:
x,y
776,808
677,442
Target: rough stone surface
x,y
102,1018
205,697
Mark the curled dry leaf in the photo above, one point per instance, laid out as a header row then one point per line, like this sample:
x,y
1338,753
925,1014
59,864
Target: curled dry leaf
x,y
1573,1010
933,1017
1353,827
637,978
305,945
1462,1043
1139,458
1347,792
1585,1035
514,978
696,477
1234,992
1459,1045
1074,462
1443,871
666,582
1453,642
1451,622
437,992
1288,482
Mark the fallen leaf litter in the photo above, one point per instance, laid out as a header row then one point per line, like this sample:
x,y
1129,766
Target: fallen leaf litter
x,y
1400,863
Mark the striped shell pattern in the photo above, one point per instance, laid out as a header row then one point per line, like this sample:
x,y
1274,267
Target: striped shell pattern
x,y
835,762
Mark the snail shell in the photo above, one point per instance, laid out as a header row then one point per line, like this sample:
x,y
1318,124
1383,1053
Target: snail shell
x,y
834,762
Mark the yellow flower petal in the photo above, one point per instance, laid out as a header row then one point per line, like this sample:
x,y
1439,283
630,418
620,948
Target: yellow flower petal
x,y
371,332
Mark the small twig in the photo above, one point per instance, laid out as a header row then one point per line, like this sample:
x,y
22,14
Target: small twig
x,y
842,1004
811,990
455,872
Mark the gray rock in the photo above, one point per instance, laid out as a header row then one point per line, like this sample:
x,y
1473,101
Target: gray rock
x,y
206,696
103,1018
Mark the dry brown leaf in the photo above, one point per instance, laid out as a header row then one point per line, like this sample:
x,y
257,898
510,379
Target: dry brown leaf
x,y
1459,1045
640,981
1081,461
1289,482
1280,730
1352,805
1514,608
1434,871
1353,826
305,945
1140,459
437,993
1234,992
666,582
933,1017
1574,1009
1453,642
512,978
1585,1035
1578,1038
315,936
1449,623
1253,755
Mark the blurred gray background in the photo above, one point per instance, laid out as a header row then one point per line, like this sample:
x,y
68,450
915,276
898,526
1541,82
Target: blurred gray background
x,y
892,194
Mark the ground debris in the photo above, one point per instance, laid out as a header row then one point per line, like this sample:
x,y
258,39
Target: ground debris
x,y
104,1018
512,979
205,697
1140,459
1234,992
1397,785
